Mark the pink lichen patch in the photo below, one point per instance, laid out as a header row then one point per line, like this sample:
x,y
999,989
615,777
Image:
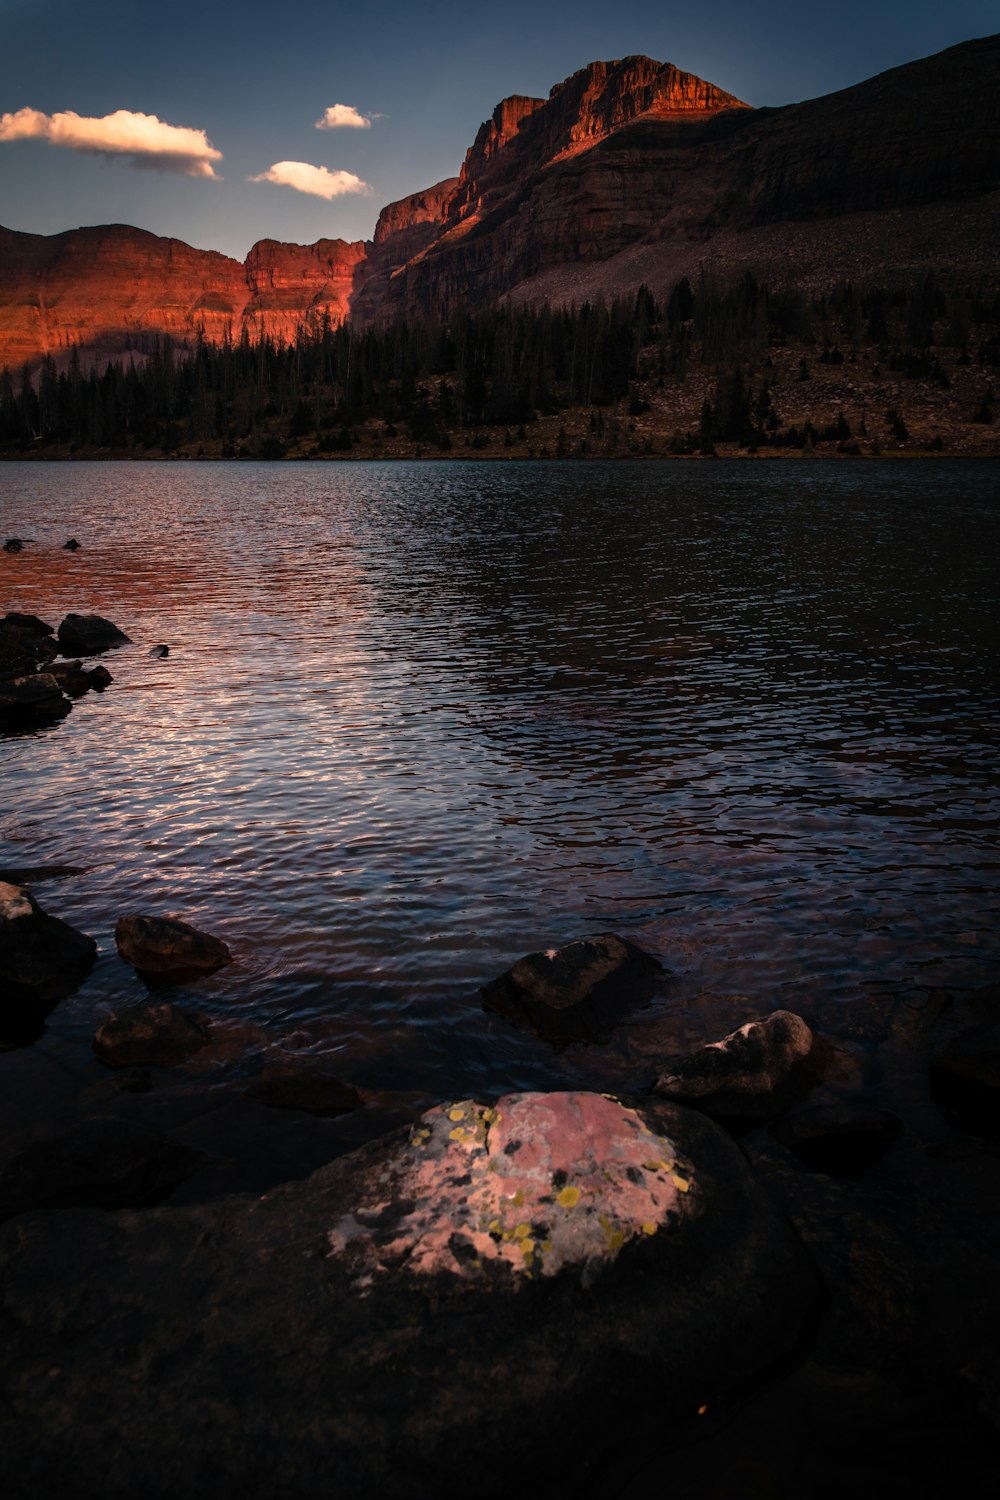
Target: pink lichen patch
x,y
539,1182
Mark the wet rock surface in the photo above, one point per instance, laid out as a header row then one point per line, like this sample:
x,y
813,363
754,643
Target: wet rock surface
x,y
965,1076
26,622
306,1086
843,1138
576,992
87,635
753,1074
657,1302
150,1035
102,1163
42,961
166,950
28,703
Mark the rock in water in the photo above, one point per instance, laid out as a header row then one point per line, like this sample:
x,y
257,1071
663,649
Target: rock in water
x,y
304,1086
149,1035
72,545
409,1319
31,702
26,622
163,949
752,1074
42,961
574,993
87,635
22,649
13,544
159,651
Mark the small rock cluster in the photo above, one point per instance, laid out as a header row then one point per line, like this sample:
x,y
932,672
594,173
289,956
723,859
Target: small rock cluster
x,y
42,671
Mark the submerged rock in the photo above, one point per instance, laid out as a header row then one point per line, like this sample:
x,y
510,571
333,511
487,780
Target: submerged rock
x,y
753,1074
13,544
409,1320
305,1086
42,961
87,635
102,1163
168,951
574,993
71,546
159,651
143,1035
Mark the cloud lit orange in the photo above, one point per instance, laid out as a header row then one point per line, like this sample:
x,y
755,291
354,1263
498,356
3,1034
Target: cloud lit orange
x,y
144,139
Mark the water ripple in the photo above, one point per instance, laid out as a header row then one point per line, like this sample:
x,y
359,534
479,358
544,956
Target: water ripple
x,y
419,719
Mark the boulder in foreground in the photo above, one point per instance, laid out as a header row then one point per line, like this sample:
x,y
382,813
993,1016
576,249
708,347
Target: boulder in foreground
x,y
574,993
42,961
101,1163
86,635
535,1287
167,951
753,1074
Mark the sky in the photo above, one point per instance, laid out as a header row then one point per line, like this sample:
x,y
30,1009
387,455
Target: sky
x,y
223,123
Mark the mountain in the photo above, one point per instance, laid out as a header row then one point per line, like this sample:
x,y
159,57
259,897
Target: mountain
x,y
631,171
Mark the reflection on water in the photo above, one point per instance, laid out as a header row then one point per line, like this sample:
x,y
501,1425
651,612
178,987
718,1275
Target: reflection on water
x,y
419,719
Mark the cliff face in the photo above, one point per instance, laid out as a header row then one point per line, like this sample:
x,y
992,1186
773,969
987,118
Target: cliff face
x,y
287,285
102,286
629,171
633,165
106,287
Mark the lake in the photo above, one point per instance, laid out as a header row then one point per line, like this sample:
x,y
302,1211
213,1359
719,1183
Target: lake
x,y
420,719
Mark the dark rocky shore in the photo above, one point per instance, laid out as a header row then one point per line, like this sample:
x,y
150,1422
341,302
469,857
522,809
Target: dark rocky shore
x,y
761,1258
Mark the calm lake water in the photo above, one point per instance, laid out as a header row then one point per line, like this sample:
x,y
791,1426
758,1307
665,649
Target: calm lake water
x,y
420,719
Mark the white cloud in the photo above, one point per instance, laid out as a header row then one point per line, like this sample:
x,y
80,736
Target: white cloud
x,y
317,180
343,116
143,139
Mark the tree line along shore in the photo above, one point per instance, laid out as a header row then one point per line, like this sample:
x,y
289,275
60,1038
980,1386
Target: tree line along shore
x,y
738,369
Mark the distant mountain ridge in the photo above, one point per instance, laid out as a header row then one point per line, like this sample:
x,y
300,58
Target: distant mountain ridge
x,y
630,171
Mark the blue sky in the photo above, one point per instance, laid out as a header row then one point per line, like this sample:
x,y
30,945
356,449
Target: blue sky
x,y
249,81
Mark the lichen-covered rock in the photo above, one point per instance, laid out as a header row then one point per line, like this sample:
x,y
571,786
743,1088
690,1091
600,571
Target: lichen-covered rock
x,y
42,961
574,993
167,950
143,1035
380,1325
753,1074
102,1162
86,635
306,1086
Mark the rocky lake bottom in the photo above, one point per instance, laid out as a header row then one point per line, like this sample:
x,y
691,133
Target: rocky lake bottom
x,y
434,827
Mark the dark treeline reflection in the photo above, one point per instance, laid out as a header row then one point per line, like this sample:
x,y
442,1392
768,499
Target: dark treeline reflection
x,y
504,366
